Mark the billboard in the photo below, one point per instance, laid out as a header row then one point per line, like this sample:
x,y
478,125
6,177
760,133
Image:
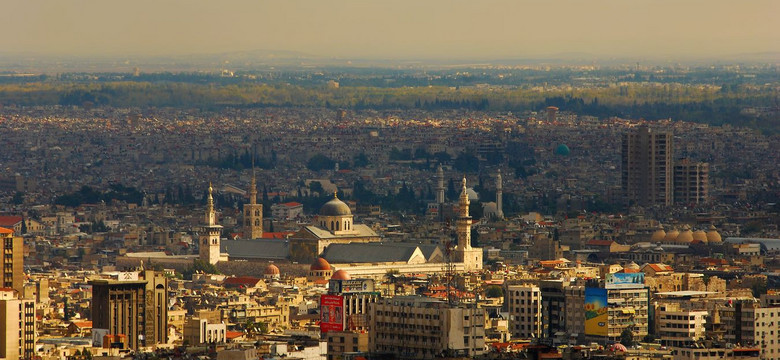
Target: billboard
x,y
331,313
97,337
350,286
596,316
625,281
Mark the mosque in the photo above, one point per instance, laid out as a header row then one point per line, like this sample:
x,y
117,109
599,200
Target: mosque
x,y
335,239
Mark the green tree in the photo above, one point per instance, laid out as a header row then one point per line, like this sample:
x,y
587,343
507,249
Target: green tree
x,y
18,198
627,338
494,291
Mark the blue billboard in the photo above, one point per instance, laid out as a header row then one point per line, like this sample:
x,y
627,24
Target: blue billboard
x,y
625,281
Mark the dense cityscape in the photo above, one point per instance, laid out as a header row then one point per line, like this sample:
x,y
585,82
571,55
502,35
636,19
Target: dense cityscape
x,y
419,192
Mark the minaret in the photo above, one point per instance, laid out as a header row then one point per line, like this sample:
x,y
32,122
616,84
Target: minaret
x,y
439,185
253,213
209,238
464,220
464,253
499,196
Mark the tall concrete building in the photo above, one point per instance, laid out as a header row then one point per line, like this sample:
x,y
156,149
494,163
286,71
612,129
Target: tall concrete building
x,y
12,274
416,327
647,169
691,182
525,311
17,324
746,322
563,316
136,308
499,196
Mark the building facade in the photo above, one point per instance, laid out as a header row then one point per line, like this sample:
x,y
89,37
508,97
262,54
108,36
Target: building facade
x,y
647,170
137,309
415,327
525,311
691,182
17,324
12,274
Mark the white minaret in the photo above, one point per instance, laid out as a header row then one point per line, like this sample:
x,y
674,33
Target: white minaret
x,y
464,220
499,196
464,253
209,239
439,185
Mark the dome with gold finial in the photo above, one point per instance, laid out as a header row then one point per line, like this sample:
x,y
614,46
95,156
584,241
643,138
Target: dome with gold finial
x,y
713,237
671,236
658,235
700,235
335,207
685,237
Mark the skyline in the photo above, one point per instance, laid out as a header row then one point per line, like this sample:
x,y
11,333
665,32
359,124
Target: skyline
x,y
432,30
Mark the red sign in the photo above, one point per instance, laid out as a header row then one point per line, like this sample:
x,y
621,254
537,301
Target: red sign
x,y
331,313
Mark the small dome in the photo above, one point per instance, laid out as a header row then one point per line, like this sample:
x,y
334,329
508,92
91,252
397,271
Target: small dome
x,y
700,235
320,265
658,235
335,207
562,150
713,236
685,237
632,265
672,235
618,347
341,275
271,269
473,195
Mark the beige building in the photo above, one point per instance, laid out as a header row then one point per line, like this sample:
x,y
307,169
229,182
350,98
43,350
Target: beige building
x,y
749,324
340,342
12,274
415,327
136,308
647,169
691,182
199,331
17,324
525,311
679,327
334,225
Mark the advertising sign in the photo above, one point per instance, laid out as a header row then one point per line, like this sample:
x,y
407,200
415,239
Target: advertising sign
x,y
331,313
97,337
351,286
625,281
596,316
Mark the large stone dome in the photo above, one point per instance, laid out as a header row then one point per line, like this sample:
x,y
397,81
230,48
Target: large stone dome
x,y
700,235
320,265
341,275
685,237
335,207
713,236
672,235
658,235
271,269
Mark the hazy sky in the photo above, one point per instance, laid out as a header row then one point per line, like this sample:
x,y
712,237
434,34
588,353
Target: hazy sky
x,y
392,29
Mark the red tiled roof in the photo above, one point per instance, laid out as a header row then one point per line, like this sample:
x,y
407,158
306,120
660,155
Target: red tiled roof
x,y
292,204
660,267
83,324
233,334
6,231
10,220
277,235
241,280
